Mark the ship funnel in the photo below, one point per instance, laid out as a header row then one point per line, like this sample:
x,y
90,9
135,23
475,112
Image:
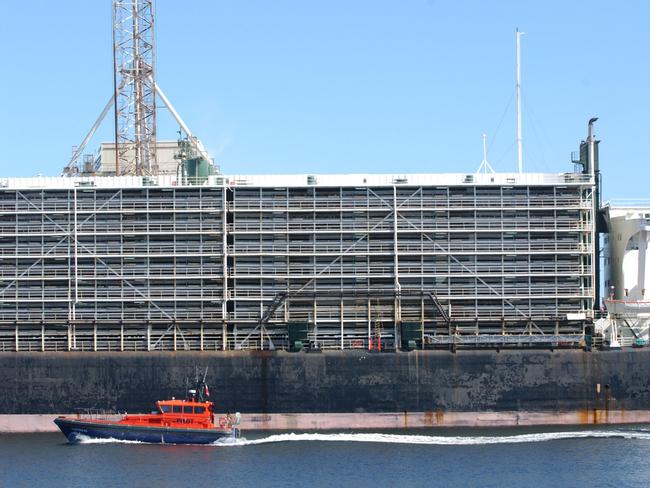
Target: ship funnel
x,y
589,151
593,147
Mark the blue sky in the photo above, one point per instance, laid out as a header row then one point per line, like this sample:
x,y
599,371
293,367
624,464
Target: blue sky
x,y
345,85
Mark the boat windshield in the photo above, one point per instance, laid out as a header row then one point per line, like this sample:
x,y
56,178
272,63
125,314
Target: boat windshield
x,y
185,409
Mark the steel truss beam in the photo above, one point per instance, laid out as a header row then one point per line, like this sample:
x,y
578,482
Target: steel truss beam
x,y
134,83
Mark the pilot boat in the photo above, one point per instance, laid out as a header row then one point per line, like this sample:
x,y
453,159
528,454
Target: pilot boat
x,y
188,421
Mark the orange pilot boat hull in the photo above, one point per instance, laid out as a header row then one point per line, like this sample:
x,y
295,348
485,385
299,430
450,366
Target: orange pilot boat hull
x,y
173,421
77,430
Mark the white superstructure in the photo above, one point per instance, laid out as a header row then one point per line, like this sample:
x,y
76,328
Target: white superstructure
x,y
627,269
626,261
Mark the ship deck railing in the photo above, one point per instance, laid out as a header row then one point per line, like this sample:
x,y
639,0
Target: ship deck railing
x,y
86,413
299,180
519,339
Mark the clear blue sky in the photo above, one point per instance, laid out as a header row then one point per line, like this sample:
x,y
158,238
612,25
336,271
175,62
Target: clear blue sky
x,y
345,85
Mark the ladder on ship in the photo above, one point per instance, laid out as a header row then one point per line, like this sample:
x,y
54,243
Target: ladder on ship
x,y
280,298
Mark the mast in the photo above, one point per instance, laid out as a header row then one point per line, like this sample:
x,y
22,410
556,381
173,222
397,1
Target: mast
x,y
485,166
134,87
520,157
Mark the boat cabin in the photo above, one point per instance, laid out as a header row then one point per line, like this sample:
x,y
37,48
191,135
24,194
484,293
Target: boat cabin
x,y
185,409
179,413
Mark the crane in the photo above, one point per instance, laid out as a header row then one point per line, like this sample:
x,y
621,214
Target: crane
x,y
135,94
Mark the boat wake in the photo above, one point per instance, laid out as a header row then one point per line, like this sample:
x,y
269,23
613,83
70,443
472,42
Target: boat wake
x,y
437,440
83,439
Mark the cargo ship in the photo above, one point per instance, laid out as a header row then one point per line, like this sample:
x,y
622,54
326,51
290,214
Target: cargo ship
x,y
322,301
317,301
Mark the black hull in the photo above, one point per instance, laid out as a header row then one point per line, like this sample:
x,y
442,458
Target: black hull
x,y
76,430
272,382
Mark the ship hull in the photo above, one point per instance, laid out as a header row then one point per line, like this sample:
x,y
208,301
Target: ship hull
x,y
77,430
271,388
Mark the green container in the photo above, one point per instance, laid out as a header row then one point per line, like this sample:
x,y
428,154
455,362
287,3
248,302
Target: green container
x,y
197,170
411,335
297,332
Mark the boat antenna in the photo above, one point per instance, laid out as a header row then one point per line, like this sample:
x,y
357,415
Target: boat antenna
x,y
205,375
520,156
201,386
485,166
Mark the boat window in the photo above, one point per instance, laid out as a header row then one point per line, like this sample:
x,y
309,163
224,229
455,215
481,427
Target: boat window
x,y
187,409
199,409
165,408
178,409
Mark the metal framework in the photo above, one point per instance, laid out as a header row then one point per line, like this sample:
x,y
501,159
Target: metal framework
x,y
134,97
129,263
134,85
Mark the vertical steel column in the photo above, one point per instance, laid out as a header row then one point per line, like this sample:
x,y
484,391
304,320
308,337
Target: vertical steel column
x,y
398,302
224,335
147,260
341,311
369,323
75,249
315,311
594,170
224,268
69,273
76,287
422,320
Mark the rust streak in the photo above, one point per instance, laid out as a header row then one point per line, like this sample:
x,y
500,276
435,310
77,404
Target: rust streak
x,y
440,417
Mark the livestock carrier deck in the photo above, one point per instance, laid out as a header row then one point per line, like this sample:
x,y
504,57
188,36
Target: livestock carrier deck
x,y
415,261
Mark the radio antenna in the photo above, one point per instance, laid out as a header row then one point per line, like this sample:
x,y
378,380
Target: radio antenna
x,y
485,166
520,156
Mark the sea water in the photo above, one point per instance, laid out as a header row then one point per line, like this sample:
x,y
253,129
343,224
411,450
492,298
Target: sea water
x,y
616,457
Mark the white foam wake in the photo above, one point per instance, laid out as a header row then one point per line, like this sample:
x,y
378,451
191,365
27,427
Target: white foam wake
x,y
84,439
437,440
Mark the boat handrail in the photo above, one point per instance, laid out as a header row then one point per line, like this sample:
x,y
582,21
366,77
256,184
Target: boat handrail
x,y
93,413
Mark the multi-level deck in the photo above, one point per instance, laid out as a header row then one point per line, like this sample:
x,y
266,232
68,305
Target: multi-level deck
x,y
129,263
